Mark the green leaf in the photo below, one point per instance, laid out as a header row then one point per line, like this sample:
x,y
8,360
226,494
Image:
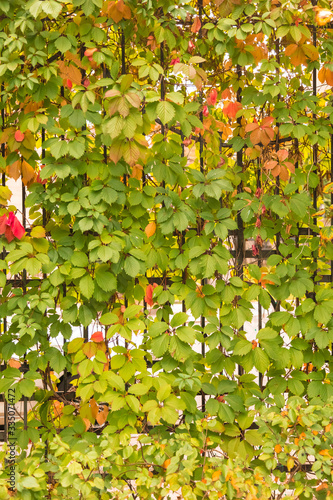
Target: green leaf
x,y
63,44
261,360
242,347
87,286
132,266
165,111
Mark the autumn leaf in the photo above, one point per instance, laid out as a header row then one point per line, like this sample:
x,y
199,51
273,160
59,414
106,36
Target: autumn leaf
x,y
117,11
28,174
137,171
89,349
150,229
102,415
323,16
97,337
212,97
216,474
231,109
14,170
196,25
19,136
87,423
37,232
14,363
149,294
11,227
300,53
90,52
277,448
325,75
70,72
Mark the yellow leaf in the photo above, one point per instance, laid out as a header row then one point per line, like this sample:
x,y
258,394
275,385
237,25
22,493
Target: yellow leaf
x,y
290,463
323,16
150,229
37,232
216,475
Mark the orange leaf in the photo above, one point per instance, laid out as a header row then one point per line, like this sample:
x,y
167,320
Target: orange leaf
x,y
97,337
251,126
28,174
87,423
196,25
267,121
14,170
284,174
290,166
94,408
102,415
150,229
270,164
137,171
324,453
149,294
329,77
226,94
282,154
14,363
290,49
231,109
166,463
70,72
256,136
277,448
90,52
58,406
89,349
276,170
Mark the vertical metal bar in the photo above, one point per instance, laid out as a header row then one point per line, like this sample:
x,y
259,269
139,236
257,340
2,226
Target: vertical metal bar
x,y
240,243
314,116
259,264
3,154
331,197
201,161
123,60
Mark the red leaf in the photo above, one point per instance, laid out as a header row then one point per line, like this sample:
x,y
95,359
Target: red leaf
x,y
3,224
212,98
19,136
16,226
205,111
97,337
69,83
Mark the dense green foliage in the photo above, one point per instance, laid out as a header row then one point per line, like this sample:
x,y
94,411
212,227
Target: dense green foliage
x,y
176,158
